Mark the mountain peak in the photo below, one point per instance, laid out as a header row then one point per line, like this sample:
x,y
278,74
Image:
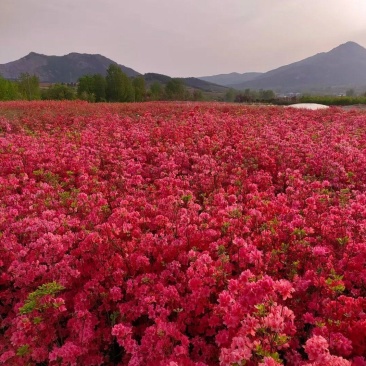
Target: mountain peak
x,y
33,54
56,69
348,46
341,68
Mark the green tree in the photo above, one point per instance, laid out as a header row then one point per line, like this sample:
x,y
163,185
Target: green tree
x,y
266,95
230,95
175,90
139,88
29,87
118,86
8,90
92,88
59,92
100,84
197,95
85,88
156,91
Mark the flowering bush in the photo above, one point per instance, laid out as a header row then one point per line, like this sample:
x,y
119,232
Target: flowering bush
x,y
181,234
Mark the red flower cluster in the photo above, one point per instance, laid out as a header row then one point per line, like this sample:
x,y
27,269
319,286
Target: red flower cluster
x,y
181,234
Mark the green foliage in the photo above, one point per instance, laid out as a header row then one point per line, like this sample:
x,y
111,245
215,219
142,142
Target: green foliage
x,y
198,95
343,241
261,310
186,198
266,95
8,90
139,88
100,85
118,86
33,300
260,351
230,95
87,97
250,96
175,90
335,282
37,320
92,88
156,91
59,92
23,350
29,87
333,100
113,317
85,87
225,227
299,233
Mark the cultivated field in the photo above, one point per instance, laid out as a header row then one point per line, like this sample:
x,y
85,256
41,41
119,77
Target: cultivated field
x,y
181,234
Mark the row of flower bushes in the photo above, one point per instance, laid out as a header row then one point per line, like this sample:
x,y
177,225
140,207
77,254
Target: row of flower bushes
x,y
181,234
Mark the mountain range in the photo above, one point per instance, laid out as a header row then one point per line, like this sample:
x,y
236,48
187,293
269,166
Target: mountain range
x,y
69,68
334,71
340,68
60,69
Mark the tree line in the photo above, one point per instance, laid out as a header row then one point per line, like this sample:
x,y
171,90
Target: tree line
x,y
26,87
250,96
116,86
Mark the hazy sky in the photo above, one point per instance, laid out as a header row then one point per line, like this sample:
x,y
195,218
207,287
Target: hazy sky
x,y
182,37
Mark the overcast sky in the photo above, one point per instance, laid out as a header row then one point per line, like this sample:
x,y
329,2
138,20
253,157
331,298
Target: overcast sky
x,y
182,37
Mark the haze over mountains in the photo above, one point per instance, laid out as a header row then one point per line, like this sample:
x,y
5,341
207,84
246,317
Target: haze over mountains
x,y
231,79
341,68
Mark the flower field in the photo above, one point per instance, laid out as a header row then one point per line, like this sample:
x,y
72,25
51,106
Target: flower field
x,y
181,234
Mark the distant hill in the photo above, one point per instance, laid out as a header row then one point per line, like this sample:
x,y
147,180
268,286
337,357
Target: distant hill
x,y
69,68
57,69
342,67
229,79
204,85
151,78
194,83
